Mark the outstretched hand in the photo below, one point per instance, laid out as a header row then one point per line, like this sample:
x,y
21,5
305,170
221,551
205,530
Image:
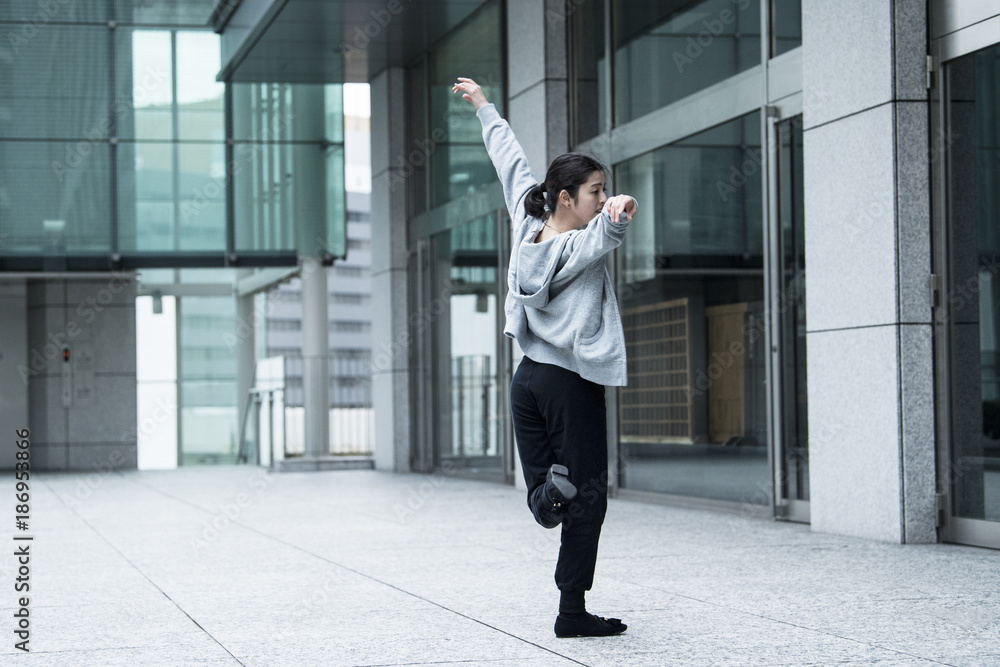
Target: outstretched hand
x,y
470,91
621,205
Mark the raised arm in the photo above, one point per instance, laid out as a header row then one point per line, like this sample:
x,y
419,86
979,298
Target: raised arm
x,y
501,144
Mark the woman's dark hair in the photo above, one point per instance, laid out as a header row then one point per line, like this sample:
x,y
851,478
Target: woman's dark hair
x,y
567,172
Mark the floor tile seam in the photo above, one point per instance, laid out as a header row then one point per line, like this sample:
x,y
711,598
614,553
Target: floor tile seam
x,y
357,572
785,622
146,577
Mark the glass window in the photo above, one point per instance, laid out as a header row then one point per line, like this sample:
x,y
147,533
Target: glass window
x,y
973,299
171,164
451,141
414,170
55,197
55,84
792,306
463,314
144,102
193,13
666,50
692,418
288,175
208,380
786,26
588,78
200,98
36,13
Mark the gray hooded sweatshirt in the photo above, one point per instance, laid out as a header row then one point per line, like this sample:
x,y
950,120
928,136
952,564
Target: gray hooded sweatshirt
x,y
561,305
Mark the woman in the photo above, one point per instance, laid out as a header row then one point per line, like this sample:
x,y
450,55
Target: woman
x,y
561,309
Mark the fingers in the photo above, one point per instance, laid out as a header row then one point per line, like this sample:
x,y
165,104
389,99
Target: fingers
x,y
621,207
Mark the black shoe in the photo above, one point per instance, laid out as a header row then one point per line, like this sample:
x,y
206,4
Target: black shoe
x,y
558,488
588,625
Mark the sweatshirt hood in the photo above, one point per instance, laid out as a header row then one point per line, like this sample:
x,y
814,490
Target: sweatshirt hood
x,y
537,264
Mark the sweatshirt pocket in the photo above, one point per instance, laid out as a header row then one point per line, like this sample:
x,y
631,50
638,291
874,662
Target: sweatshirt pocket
x,y
597,347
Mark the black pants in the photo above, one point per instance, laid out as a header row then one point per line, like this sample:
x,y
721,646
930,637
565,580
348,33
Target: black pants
x,y
560,418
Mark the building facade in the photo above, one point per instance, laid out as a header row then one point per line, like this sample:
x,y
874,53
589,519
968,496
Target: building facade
x,y
808,287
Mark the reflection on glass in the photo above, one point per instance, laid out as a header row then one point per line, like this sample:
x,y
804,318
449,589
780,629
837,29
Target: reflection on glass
x,y
792,305
666,50
55,180
288,175
200,98
55,197
692,418
55,84
465,340
208,380
171,168
451,141
145,100
786,26
195,14
974,297
416,124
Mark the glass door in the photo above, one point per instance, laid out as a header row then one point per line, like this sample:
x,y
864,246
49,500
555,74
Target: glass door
x,y
967,313
466,370
788,323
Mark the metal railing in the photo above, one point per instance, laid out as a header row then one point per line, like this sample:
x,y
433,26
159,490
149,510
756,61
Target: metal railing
x,y
274,424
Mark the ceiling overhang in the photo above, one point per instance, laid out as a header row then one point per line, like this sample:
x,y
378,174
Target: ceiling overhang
x,y
329,41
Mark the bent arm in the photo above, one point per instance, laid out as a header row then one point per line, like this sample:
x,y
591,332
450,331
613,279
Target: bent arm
x,y
586,246
508,159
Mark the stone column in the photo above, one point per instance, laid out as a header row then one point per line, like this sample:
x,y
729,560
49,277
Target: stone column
x,y
315,352
868,251
390,302
245,350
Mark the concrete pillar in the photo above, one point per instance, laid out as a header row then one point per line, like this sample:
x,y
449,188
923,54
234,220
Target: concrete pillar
x,y
537,97
538,89
246,336
868,250
315,353
390,296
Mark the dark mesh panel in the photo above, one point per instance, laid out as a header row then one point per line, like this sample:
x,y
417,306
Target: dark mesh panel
x,y
56,85
54,181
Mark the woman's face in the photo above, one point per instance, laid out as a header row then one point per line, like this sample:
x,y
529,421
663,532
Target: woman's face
x,y
590,198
